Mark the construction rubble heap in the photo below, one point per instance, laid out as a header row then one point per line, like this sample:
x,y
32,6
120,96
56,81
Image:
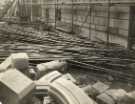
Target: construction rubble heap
x,y
49,83
67,51
52,67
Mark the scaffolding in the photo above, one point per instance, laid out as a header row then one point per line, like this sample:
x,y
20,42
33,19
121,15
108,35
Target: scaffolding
x,y
91,4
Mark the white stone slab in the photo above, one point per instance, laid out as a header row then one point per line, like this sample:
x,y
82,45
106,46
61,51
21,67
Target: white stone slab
x,y
14,86
51,66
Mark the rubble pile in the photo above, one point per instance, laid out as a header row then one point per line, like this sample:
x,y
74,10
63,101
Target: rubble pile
x,y
18,87
45,69
49,83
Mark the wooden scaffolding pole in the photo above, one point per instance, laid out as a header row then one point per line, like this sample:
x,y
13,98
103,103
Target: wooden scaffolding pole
x,y
90,14
72,24
108,23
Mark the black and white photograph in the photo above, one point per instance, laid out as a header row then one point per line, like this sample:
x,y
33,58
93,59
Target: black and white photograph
x,y
67,51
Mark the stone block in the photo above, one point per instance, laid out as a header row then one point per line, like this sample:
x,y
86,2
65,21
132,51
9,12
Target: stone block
x,y
67,92
44,68
100,87
116,94
14,87
50,77
129,98
5,65
104,99
88,90
20,61
43,83
96,89
132,94
126,100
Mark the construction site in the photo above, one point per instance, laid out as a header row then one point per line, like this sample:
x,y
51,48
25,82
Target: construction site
x,y
67,52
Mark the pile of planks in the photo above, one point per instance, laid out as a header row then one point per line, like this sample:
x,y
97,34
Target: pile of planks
x,y
115,60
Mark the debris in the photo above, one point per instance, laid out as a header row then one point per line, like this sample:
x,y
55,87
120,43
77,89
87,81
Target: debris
x,y
20,61
50,77
87,89
5,65
41,89
129,98
65,92
47,100
132,94
44,68
32,74
110,78
116,94
42,85
96,89
33,100
100,87
104,99
14,87
69,77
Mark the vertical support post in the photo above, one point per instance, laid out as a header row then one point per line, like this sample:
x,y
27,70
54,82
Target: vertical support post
x,y
93,18
56,8
31,11
72,18
47,17
108,23
130,28
42,9
18,7
90,12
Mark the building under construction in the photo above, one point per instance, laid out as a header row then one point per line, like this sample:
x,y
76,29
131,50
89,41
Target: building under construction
x,y
67,52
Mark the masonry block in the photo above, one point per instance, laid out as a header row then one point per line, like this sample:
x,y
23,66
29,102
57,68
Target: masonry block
x,y
129,98
42,85
88,90
14,87
116,94
66,92
104,99
5,65
20,61
50,77
44,68
98,88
